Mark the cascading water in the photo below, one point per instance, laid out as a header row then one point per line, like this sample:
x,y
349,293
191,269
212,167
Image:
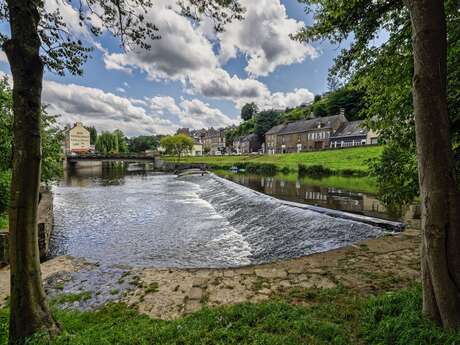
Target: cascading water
x,y
193,221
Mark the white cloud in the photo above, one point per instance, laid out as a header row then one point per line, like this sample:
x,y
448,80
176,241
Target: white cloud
x,y
282,100
103,110
191,113
180,51
263,36
3,57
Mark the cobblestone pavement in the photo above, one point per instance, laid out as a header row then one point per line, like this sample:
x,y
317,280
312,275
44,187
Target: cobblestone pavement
x,y
375,265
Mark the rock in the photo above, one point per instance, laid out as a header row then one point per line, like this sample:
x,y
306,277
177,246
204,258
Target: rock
x,y
200,282
195,293
229,273
270,273
265,291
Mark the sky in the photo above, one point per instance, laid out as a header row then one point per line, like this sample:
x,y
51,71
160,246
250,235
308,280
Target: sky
x,y
191,77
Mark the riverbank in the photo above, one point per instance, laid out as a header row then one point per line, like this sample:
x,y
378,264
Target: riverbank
x,y
338,160
361,294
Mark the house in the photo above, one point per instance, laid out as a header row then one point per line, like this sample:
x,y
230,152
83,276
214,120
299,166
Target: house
x,y
306,135
372,137
214,141
271,139
250,144
349,134
77,139
197,149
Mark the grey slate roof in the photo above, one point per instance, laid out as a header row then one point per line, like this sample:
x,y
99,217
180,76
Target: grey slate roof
x,y
350,129
249,137
275,130
306,125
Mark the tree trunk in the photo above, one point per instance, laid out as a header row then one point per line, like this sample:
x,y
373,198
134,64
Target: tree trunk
x,y
29,308
438,188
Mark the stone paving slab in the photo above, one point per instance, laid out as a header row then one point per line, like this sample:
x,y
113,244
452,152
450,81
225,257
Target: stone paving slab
x,y
380,264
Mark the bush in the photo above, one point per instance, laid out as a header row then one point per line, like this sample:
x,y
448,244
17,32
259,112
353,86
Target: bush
x,y
5,180
261,168
314,170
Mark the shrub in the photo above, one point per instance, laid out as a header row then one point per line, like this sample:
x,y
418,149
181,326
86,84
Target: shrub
x,y
5,180
314,170
261,168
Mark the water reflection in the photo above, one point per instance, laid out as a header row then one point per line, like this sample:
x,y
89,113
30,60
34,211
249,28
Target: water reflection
x,y
357,194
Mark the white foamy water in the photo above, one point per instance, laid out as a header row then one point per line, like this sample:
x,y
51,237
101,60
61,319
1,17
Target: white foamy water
x,y
196,221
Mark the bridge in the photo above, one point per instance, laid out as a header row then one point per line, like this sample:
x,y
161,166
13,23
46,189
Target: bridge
x,y
118,157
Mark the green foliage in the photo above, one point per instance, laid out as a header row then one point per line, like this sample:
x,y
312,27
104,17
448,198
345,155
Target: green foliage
x,y
51,137
52,158
397,167
351,100
248,111
245,128
5,180
264,121
6,124
109,143
177,144
143,143
92,135
121,140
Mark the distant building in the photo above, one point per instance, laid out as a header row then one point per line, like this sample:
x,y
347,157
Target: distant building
x,y
271,139
214,142
349,134
307,135
77,139
250,144
197,149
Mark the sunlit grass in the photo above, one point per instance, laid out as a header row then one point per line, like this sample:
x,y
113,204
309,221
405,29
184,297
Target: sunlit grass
x,y
337,160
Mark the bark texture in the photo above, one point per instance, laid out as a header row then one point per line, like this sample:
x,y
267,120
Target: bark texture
x,y
438,186
29,308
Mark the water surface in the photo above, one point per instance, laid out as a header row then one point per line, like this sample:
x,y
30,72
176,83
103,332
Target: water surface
x,y
160,220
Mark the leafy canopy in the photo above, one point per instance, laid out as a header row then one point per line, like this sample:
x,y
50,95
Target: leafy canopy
x,y
129,21
177,145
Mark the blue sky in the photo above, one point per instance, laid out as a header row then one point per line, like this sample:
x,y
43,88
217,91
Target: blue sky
x,y
191,77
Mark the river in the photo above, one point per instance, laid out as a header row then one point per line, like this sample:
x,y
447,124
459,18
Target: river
x,y
139,218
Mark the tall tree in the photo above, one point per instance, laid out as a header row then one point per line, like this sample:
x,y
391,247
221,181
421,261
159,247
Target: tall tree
x,y
38,38
248,111
440,197
385,72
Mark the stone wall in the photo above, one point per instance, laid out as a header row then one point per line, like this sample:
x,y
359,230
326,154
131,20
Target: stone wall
x,y
45,227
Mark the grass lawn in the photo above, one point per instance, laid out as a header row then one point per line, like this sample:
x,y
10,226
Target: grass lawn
x,y
308,316
337,160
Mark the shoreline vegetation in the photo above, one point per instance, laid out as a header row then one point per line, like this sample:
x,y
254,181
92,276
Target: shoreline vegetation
x,y
343,162
314,316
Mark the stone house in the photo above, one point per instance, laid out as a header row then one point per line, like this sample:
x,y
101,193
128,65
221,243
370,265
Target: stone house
x,y
250,144
305,135
214,141
77,139
271,138
349,134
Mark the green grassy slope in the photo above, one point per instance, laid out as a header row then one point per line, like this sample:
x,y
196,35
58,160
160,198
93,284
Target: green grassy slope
x,y
337,160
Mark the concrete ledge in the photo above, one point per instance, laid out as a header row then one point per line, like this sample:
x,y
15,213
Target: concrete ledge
x,y
45,227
